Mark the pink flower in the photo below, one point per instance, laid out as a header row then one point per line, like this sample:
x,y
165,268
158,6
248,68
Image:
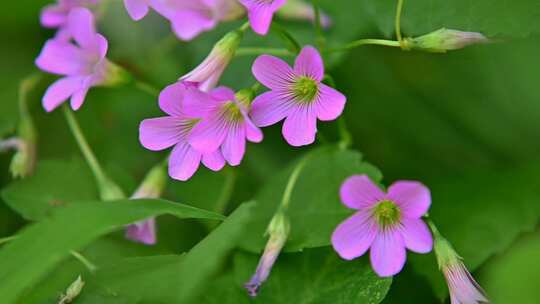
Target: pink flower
x,y
297,95
137,9
173,130
207,74
56,15
225,124
388,223
189,18
463,288
83,63
261,12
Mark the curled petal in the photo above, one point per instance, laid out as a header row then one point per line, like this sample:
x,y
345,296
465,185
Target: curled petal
x,y
412,197
359,192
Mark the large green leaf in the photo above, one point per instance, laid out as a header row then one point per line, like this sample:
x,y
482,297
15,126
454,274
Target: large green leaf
x,y
315,208
42,245
311,277
178,278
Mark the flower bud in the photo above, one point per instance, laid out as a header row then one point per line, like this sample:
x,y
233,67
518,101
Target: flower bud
x,y
278,231
302,11
462,286
72,292
208,73
153,185
444,40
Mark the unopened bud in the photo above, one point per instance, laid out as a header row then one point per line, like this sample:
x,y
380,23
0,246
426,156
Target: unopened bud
x,y
302,11
278,232
444,40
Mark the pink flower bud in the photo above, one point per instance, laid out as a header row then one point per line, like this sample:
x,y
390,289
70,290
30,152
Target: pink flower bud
x,y
444,40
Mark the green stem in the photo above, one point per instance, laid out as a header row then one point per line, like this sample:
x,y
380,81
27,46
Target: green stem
x,y
292,44
146,88
108,189
81,258
7,239
285,201
226,192
362,42
321,41
345,134
254,51
244,27
398,20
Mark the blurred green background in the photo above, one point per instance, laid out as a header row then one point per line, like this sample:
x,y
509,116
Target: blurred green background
x,y
466,123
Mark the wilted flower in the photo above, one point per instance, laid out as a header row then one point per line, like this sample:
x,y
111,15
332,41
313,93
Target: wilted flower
x,y
225,125
173,130
261,12
208,73
137,9
189,18
462,286
385,222
297,94
152,186
83,64
301,10
444,40
56,15
278,231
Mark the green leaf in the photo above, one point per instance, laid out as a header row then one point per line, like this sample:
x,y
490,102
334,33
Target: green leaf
x,y
178,278
313,276
315,208
42,245
54,184
481,215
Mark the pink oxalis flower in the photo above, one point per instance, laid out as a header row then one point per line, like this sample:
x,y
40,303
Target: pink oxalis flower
x,y
261,12
82,62
189,18
161,133
56,15
388,223
225,125
297,95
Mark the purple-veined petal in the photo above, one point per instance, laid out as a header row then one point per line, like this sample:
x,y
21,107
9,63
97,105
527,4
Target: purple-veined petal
x,y
412,197
209,133
273,72
184,161
171,98
358,192
260,13
270,108
222,94
214,160
136,9
198,104
330,103
253,133
300,126
60,57
388,253
353,237
309,63
416,235
81,26
234,145
60,91
161,133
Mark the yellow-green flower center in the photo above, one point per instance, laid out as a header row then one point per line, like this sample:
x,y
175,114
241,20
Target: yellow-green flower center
x,y
305,89
387,213
232,111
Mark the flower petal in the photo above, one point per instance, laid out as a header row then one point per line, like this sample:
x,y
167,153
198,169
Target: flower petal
x,y
213,161
209,133
161,133
171,98
353,237
309,63
188,24
136,9
388,253
78,97
253,133
82,28
60,91
269,108
52,16
234,146
60,57
416,235
330,103
358,192
184,161
272,72
300,126
260,13
143,232
412,197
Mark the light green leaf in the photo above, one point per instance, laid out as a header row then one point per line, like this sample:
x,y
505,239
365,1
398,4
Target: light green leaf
x,y
315,208
42,245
